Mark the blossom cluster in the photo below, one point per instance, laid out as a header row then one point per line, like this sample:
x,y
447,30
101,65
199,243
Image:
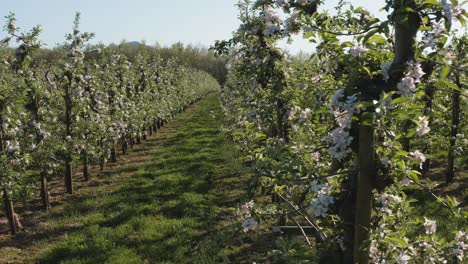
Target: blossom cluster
x,y
407,86
343,109
423,126
451,12
461,245
297,114
386,202
358,51
249,222
419,157
319,206
271,21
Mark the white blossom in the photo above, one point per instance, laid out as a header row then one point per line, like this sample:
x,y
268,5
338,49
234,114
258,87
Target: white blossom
x,y
358,51
271,29
249,224
282,2
423,127
320,205
403,258
315,156
343,110
451,12
385,67
430,226
407,86
461,245
419,157
406,181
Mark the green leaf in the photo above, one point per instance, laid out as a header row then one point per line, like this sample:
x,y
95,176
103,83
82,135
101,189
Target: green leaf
x,y
260,136
377,39
411,133
400,100
364,104
445,71
388,95
414,175
398,241
368,35
401,153
431,2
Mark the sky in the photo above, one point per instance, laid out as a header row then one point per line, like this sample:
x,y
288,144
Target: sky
x,y
197,22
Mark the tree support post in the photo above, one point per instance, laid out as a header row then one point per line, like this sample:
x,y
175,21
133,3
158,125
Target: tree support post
x,y
364,194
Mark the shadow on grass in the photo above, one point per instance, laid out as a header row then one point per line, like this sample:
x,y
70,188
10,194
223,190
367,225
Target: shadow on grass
x,y
164,211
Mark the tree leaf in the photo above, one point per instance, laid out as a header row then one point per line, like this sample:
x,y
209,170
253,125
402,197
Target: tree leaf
x,y
400,100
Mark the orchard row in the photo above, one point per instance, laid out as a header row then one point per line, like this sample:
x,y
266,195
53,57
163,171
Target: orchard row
x,y
76,109
342,138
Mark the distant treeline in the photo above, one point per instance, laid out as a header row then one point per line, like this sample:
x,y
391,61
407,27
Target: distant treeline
x,y
195,56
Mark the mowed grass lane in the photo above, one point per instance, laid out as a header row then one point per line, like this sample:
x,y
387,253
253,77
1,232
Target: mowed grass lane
x,y
168,211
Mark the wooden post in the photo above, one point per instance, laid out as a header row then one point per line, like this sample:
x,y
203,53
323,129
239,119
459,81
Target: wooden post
x,y
364,194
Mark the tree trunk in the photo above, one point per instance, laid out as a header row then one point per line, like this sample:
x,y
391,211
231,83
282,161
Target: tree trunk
x,y
45,192
102,163
347,213
124,146
453,132
113,155
10,212
68,177
281,122
364,194
85,166
429,98
159,123
405,142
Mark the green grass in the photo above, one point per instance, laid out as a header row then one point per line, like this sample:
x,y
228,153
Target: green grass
x,y
176,208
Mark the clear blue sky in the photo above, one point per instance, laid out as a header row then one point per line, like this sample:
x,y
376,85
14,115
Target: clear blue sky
x,y
161,21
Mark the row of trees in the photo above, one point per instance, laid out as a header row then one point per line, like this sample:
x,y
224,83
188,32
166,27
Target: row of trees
x,y
77,104
339,139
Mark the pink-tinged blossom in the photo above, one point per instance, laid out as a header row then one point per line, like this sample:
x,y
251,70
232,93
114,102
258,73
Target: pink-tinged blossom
x,y
282,2
407,86
461,245
419,157
449,57
315,156
271,17
343,110
249,224
415,71
358,51
451,12
406,181
423,127
403,258
340,139
385,67
386,162
319,206
430,226
438,28
301,2
271,29
304,115
386,199
248,205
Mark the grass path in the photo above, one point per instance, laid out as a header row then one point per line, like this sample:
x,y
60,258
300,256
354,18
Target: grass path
x,y
170,201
